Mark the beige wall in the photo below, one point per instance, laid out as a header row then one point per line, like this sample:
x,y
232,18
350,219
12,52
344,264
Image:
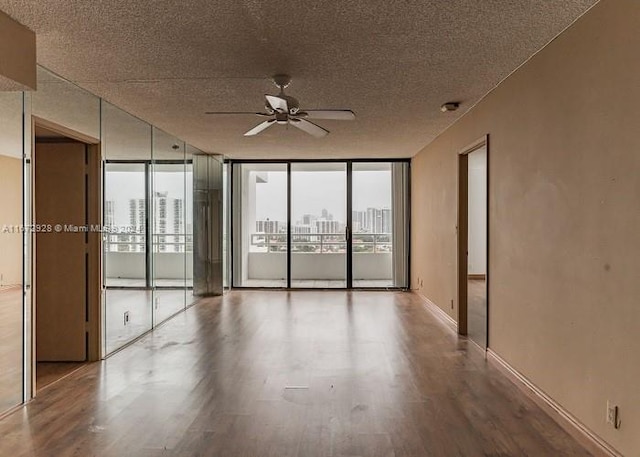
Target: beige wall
x,y
564,218
17,55
10,214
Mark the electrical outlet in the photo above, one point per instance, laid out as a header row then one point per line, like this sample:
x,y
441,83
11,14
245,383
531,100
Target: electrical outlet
x,y
157,302
613,414
126,317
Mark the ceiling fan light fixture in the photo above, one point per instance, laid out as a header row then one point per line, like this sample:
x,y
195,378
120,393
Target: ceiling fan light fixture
x,y
449,106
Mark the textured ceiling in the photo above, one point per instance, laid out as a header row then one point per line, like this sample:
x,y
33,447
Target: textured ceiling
x,y
393,62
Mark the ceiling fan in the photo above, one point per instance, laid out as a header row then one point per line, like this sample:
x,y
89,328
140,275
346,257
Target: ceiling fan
x,y
285,110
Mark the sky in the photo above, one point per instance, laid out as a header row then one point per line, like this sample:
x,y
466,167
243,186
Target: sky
x,y
311,192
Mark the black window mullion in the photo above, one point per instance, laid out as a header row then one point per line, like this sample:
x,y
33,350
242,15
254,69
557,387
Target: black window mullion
x,y
349,237
147,223
289,225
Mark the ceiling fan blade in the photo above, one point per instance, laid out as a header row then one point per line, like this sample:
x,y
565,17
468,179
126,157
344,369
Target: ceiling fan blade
x,y
260,127
279,105
309,127
338,115
237,112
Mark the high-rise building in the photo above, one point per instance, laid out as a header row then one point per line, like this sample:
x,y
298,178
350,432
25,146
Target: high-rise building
x,y
376,220
358,219
269,226
168,222
387,220
133,235
109,213
178,216
137,214
309,219
303,229
328,226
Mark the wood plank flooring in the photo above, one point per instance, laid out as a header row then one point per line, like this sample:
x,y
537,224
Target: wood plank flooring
x,y
328,373
49,372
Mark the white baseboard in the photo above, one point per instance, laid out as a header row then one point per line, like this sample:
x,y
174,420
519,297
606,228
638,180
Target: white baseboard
x,y
438,312
564,418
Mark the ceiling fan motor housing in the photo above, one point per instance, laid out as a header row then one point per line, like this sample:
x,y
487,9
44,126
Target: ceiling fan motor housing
x,y
281,80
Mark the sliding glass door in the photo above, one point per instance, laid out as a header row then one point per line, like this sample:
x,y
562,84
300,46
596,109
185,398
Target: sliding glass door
x,y
332,224
319,225
372,222
379,224
260,225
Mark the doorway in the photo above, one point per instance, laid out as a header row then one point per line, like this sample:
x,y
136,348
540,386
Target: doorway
x,y
473,236
66,255
335,224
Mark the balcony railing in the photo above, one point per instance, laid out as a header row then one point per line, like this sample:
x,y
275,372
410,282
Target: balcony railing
x,y
321,243
160,242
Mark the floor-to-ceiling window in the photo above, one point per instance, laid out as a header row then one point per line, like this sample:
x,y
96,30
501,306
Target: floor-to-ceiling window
x,y
372,225
260,236
331,224
319,225
379,224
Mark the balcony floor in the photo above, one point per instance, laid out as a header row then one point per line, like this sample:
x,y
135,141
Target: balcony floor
x,y
317,283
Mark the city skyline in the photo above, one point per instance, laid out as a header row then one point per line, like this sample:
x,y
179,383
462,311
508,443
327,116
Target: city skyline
x,y
373,220
314,191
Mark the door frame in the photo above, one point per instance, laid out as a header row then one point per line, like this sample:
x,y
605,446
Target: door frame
x,y
462,232
349,200
94,266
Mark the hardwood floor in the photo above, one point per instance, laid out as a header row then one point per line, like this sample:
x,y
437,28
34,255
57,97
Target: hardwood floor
x,y
328,373
49,372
